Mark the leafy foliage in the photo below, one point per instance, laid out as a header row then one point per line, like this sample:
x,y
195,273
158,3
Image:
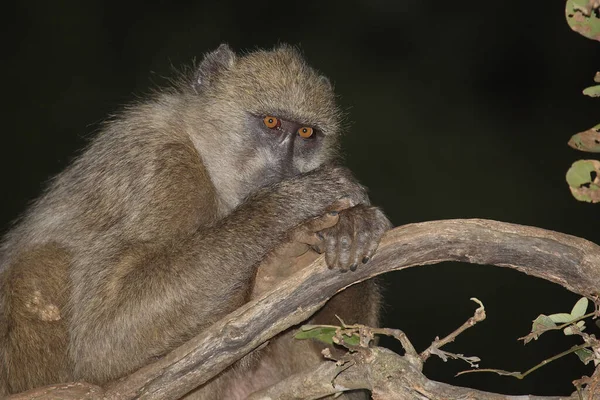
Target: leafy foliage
x,y
583,19
583,16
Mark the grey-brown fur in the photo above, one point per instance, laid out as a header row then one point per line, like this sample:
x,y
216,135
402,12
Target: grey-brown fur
x,y
155,231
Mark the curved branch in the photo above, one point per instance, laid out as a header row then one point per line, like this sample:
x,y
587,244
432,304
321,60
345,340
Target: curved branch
x,y
566,260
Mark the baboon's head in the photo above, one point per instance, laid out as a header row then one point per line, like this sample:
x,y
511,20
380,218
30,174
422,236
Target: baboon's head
x,y
262,117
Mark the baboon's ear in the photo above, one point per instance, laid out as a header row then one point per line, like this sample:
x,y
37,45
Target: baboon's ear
x,y
326,82
213,64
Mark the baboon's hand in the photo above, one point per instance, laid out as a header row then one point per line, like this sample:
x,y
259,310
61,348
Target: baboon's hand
x,y
341,181
310,194
298,251
306,236
353,240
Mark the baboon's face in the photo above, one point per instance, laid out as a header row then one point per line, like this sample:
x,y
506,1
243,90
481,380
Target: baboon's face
x,y
283,147
276,117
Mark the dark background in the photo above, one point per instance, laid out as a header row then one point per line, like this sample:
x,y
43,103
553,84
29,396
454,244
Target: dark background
x,y
458,110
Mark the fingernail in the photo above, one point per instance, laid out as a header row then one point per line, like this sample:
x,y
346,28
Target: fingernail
x,y
353,267
366,259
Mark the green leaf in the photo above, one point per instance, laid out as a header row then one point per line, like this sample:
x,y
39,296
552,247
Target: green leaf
x,y
580,173
580,4
353,340
582,19
582,197
561,318
325,334
592,91
322,334
542,323
580,308
570,331
588,140
585,355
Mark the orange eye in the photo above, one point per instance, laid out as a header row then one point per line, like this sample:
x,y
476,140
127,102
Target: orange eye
x,y
271,122
305,132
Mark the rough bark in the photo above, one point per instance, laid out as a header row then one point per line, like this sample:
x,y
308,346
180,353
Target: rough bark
x,y
571,262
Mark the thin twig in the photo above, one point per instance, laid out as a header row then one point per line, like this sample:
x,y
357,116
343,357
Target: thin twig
x,y
522,375
438,343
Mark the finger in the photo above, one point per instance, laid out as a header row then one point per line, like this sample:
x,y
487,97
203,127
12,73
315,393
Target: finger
x,y
360,249
337,242
381,225
330,250
307,230
370,250
365,239
345,235
344,247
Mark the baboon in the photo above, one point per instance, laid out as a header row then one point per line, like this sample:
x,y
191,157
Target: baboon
x,y
156,230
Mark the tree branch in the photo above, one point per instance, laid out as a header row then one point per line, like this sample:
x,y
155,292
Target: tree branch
x,y
566,260
388,376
